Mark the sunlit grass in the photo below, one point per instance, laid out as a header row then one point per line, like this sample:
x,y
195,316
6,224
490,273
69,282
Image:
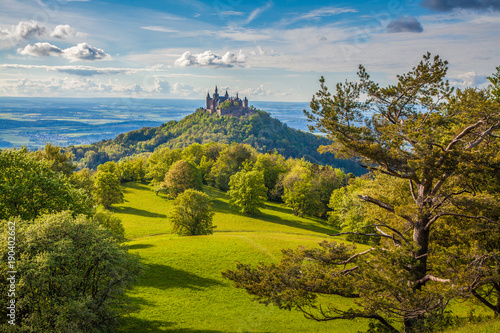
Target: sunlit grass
x,y
182,289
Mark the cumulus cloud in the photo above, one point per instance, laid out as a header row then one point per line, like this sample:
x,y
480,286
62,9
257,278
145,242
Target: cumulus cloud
x,y
82,51
208,58
63,31
449,5
469,79
40,50
405,24
23,30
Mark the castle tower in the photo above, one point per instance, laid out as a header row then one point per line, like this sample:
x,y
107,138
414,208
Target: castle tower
x,y
210,104
226,95
245,103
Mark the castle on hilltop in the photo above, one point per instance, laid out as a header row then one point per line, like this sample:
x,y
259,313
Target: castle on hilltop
x,y
227,106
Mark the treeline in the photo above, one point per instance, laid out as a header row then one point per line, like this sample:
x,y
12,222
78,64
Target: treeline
x,y
260,131
304,186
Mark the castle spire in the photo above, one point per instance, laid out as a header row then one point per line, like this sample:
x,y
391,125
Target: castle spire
x,y
227,95
216,90
208,94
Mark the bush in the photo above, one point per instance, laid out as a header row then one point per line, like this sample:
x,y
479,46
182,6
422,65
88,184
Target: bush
x,y
70,276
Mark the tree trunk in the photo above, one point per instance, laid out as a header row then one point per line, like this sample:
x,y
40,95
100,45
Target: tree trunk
x,y
421,239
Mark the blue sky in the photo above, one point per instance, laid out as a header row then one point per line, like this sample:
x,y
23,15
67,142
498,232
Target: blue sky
x,y
265,50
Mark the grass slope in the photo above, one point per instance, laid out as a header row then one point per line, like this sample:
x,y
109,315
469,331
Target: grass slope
x,y
182,289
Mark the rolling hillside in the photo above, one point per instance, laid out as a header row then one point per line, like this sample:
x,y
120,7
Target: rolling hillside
x,y
259,130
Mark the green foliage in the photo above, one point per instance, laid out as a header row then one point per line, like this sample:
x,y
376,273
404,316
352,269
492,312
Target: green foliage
x,y
56,159
132,169
225,105
495,84
192,214
247,191
350,214
160,162
299,191
182,176
71,275
30,188
229,162
83,179
107,189
272,166
110,222
259,130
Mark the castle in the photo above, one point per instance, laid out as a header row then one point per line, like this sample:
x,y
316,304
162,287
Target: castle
x,y
227,106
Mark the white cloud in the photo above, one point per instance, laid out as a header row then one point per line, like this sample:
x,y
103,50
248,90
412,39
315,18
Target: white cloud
x,y
256,12
65,86
75,70
231,13
208,58
82,51
182,90
40,50
159,29
318,13
23,30
469,79
63,31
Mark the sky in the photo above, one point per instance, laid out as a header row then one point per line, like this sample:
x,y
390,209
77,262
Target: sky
x,y
264,50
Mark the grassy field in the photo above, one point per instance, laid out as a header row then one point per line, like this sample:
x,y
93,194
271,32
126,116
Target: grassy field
x,y
182,289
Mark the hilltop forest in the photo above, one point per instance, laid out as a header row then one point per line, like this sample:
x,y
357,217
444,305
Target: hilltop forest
x,y
260,130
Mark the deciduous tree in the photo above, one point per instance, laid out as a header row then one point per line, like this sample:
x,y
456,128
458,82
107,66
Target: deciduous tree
x,y
247,191
192,214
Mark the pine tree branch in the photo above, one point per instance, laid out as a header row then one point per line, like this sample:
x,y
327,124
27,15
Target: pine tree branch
x,y
385,206
484,301
343,315
482,136
437,216
430,277
390,228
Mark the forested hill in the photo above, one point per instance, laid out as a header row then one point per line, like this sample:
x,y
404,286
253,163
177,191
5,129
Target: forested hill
x,y
259,130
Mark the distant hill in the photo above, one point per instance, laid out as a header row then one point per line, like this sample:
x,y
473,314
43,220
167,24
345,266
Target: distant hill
x,y
259,130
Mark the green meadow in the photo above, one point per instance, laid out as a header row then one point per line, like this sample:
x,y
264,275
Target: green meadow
x,y
182,289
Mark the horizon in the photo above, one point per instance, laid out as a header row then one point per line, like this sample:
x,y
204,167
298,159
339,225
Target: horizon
x,y
265,50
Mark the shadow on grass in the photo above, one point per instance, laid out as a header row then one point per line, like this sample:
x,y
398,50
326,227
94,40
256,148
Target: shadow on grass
x,y
166,277
139,246
314,224
133,324
138,212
